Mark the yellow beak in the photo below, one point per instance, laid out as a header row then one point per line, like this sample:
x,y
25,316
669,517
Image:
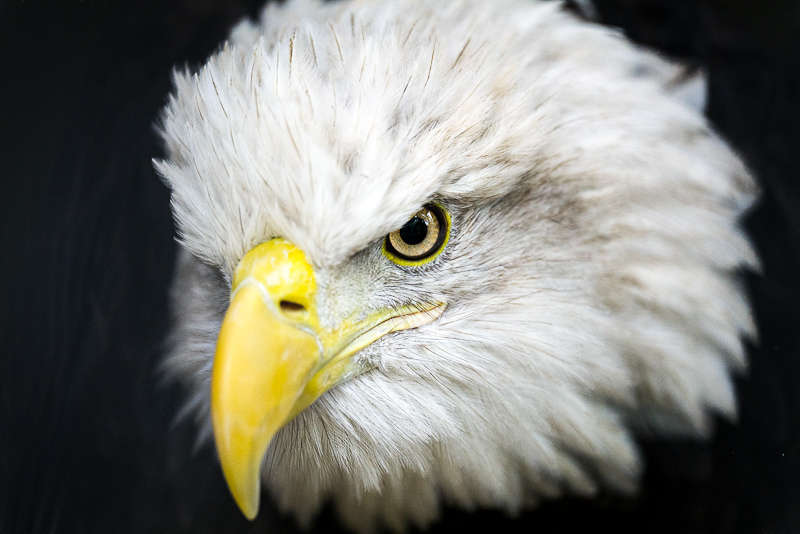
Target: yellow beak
x,y
273,359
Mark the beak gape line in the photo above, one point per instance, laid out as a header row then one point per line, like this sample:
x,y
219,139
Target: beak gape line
x,y
273,359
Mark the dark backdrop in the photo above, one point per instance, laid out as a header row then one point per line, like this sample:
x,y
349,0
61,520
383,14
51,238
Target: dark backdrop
x,y
87,442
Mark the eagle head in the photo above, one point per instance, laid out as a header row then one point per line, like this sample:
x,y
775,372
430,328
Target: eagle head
x,y
453,251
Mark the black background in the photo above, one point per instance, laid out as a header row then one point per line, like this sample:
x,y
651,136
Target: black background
x,y
87,440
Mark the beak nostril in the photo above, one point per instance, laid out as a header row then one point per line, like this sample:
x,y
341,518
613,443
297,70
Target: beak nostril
x,y
290,306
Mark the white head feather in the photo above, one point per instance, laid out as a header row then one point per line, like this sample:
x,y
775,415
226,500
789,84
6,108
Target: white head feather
x,y
589,276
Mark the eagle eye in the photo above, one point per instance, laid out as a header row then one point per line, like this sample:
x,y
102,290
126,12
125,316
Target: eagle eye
x,y
421,239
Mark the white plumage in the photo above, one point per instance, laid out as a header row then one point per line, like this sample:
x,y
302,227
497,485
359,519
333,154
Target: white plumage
x,y
589,276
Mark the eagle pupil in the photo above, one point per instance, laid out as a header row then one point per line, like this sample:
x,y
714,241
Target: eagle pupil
x,y
414,231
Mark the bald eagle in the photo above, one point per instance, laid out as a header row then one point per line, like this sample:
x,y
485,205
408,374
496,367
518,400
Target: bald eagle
x,y
453,252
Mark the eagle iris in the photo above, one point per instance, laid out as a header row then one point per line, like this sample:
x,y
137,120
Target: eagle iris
x,y
421,239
